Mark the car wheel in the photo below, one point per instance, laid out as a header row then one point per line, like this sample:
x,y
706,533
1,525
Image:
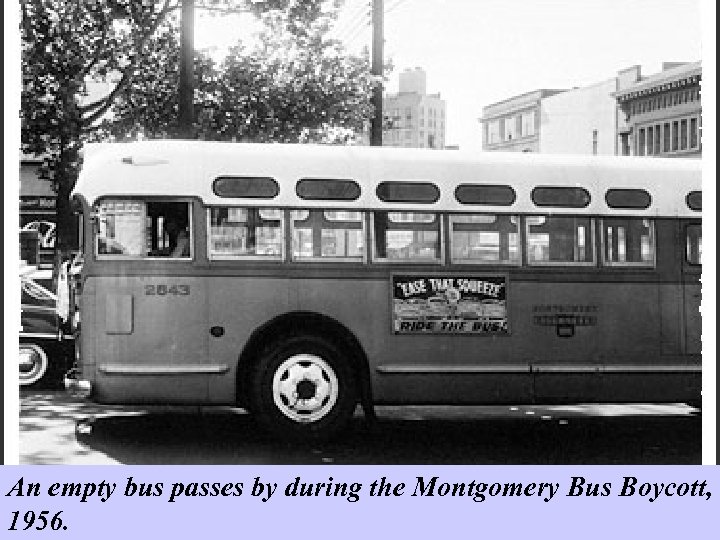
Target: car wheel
x,y
34,364
303,389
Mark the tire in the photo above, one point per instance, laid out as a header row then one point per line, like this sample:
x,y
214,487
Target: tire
x,y
303,389
34,365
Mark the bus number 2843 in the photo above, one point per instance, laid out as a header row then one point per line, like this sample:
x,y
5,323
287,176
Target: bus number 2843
x,y
163,290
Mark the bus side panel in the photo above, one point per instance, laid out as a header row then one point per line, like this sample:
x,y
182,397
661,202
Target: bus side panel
x,y
556,329
240,305
672,331
693,319
623,361
418,368
402,368
151,339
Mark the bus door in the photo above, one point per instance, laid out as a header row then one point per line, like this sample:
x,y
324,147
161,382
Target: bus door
x,y
692,287
151,308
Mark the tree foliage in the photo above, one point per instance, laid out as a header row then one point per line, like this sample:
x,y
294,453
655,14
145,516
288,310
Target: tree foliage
x,y
293,85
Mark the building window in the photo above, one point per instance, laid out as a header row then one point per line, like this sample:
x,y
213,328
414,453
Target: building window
x,y
594,142
693,133
527,124
493,132
625,144
510,131
683,134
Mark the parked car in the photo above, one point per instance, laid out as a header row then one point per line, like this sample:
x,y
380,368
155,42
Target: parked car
x,y
46,349
45,230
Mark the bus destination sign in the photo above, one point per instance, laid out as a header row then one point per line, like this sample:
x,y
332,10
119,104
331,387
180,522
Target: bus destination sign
x,y
449,305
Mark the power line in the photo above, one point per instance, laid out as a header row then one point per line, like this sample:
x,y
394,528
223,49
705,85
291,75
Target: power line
x,y
349,19
358,33
397,4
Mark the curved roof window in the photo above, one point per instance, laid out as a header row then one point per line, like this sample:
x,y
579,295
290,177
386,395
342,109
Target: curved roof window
x,y
408,192
493,195
327,189
250,187
561,197
628,198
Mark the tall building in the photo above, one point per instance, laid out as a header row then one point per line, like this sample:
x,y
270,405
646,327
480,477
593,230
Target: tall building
x,y
513,124
414,118
660,115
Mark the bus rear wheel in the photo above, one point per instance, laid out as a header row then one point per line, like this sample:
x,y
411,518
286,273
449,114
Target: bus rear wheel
x,y
303,389
34,364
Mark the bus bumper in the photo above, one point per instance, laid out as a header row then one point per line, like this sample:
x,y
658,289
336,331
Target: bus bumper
x,y
77,388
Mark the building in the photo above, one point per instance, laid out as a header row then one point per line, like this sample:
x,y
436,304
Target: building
x,y
580,121
660,115
513,125
414,118
37,206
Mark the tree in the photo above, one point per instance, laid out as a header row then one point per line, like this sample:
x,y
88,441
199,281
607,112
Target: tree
x,y
292,85
66,43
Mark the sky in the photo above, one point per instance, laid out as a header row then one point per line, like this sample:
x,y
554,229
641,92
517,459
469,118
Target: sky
x,y
477,52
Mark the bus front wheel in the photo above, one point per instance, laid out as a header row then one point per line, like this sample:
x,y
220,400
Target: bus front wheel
x,y
303,389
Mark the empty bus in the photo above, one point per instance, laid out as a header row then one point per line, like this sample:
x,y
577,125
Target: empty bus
x,y
299,281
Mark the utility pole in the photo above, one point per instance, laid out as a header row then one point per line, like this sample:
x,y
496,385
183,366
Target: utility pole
x,y
376,125
187,82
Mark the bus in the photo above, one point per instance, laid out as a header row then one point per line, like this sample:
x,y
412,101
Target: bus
x,y
301,281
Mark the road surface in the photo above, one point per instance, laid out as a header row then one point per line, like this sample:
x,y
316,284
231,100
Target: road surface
x,y
55,429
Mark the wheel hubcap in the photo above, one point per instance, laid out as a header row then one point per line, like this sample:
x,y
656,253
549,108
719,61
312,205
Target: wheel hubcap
x,y
32,364
305,388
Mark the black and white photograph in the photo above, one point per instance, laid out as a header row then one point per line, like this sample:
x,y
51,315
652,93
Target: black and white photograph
x,y
358,232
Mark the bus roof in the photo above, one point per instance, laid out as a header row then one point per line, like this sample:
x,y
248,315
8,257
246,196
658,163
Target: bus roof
x,y
175,168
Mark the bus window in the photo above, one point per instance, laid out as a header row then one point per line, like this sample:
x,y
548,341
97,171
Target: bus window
x,y
693,243
628,241
559,240
245,232
407,236
139,229
489,239
323,234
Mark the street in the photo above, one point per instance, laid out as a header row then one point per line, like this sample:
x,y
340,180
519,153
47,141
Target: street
x,y
54,429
